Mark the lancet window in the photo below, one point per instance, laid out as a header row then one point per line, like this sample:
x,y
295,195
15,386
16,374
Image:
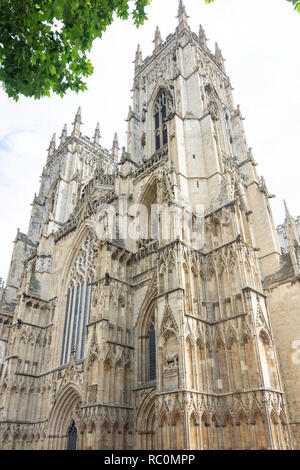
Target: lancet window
x,y
160,124
78,301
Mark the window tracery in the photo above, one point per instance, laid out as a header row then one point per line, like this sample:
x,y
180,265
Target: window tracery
x,y
160,123
78,303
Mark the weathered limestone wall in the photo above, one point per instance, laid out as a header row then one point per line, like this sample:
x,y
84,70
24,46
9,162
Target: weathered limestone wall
x,y
283,303
21,251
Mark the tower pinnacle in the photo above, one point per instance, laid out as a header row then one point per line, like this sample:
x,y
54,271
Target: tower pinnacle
x,y
182,15
97,135
115,149
138,57
202,37
219,57
181,8
77,123
287,212
52,146
64,133
157,38
290,223
293,239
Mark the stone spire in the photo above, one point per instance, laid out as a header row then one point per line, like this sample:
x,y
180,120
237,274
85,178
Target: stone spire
x,y
287,212
293,239
138,57
115,149
52,146
157,38
292,232
202,37
97,135
77,124
218,55
64,133
182,15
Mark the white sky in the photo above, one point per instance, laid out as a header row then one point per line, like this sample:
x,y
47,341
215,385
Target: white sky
x,y
259,39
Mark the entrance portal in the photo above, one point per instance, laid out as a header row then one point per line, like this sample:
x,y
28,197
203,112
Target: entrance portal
x,y
72,437
64,422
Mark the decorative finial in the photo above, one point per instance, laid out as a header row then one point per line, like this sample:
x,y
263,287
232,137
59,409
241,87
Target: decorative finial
x,y
52,146
64,133
182,16
202,37
138,57
180,7
97,135
157,38
115,149
116,139
219,56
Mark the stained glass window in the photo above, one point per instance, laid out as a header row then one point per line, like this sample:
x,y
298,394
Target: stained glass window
x,y
78,301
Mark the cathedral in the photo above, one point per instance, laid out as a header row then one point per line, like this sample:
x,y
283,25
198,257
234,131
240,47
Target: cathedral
x,y
150,304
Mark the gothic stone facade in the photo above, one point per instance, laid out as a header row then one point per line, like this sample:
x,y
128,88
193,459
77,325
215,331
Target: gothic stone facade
x,y
116,343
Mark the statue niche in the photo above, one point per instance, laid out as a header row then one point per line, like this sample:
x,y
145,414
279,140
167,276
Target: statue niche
x,y
170,361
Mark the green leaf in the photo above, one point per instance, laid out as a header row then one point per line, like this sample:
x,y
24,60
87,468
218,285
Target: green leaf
x,y
43,43
53,70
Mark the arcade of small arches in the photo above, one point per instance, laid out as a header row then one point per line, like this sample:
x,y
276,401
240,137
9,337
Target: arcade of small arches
x,y
220,367
212,288
74,427
205,431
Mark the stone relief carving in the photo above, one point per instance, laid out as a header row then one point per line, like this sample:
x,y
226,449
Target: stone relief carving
x,y
171,361
43,264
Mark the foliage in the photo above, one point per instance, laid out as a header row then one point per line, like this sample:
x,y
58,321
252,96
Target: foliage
x,y
44,43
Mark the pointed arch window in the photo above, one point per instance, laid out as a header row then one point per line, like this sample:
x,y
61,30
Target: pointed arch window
x,y
152,350
160,123
78,301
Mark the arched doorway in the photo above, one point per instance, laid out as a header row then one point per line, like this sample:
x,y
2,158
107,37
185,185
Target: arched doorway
x,y
64,420
146,424
72,436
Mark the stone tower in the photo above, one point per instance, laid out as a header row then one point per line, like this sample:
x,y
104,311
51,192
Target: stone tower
x,y
125,329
